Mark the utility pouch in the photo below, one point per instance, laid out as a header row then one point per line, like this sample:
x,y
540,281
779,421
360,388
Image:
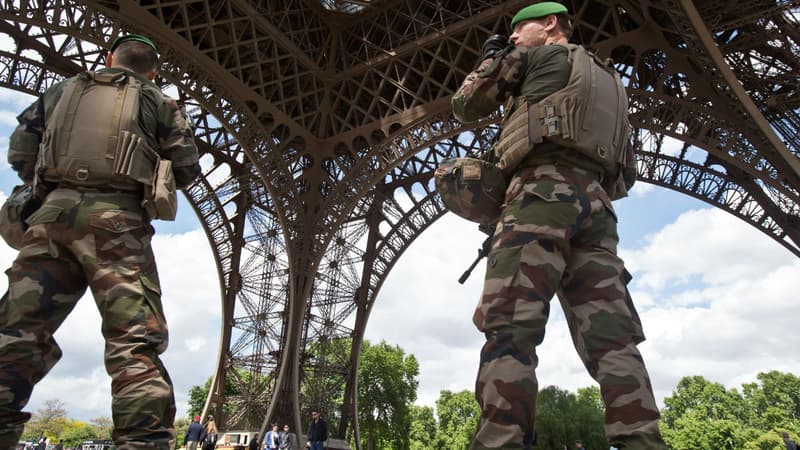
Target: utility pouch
x,y
161,200
471,188
16,209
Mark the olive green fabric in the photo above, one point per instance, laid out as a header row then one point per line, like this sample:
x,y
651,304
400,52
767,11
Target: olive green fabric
x,y
92,136
132,37
171,133
12,226
538,10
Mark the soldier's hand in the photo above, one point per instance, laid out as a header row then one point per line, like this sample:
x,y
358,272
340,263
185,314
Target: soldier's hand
x,y
494,44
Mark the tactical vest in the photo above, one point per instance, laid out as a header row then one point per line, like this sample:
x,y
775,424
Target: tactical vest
x,y
589,115
93,138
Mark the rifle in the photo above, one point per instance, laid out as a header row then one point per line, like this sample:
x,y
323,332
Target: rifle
x,y
482,252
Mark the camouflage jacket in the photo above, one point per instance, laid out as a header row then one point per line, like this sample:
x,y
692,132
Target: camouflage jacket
x,y
164,123
530,73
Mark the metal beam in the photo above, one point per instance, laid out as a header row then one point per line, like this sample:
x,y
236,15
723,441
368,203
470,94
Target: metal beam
x,y
733,82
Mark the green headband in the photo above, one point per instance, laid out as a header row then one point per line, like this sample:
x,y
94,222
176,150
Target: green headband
x,y
132,37
538,10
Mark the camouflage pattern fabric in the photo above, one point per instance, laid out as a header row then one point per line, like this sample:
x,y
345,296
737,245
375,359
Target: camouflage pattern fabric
x,y
100,240
558,235
471,188
15,209
81,238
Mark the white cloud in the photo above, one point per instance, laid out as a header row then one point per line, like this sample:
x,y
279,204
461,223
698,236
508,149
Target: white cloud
x,y
7,43
641,189
715,297
708,244
8,118
15,100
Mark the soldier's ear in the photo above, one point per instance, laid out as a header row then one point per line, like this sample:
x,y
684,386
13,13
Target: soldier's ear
x,y
109,59
551,22
151,75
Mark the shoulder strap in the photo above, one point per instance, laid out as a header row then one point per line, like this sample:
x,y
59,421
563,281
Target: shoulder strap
x,y
72,95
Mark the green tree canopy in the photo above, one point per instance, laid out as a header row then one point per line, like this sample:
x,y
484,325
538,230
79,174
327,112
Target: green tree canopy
x,y
708,399
387,385
458,414
563,417
701,414
77,432
422,433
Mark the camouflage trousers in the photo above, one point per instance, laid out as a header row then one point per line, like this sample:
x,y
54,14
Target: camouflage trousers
x,y
99,240
558,235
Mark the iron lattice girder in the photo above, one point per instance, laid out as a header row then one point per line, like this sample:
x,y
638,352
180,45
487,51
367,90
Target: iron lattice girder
x,y
320,130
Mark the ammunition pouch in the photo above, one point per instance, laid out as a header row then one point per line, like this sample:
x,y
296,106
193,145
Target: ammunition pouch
x,y
160,198
471,188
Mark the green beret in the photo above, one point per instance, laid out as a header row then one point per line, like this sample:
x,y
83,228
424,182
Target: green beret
x,y
538,10
132,37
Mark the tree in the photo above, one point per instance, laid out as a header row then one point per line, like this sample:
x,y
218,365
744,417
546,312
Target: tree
x,y
422,434
458,418
387,386
693,431
77,432
770,440
104,427
589,414
181,425
197,398
199,394
710,400
775,402
563,417
49,420
701,414
554,425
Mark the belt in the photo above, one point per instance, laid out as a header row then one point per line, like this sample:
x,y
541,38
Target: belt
x,y
100,189
565,157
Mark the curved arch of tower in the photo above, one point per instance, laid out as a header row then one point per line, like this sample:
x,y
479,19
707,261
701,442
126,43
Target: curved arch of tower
x,y
320,123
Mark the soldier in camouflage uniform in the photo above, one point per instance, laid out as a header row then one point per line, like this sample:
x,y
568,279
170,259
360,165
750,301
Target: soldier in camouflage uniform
x,y
557,234
97,237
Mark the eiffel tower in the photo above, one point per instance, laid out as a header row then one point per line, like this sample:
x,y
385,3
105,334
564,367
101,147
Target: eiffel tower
x,y
320,123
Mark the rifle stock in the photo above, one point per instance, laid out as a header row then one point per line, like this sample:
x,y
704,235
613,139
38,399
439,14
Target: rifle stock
x,y
482,252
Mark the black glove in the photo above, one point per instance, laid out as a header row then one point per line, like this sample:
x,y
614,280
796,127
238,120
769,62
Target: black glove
x,y
494,45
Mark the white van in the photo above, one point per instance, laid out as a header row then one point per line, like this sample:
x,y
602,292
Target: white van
x,y
235,440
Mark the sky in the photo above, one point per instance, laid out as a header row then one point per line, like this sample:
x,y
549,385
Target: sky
x,y
717,298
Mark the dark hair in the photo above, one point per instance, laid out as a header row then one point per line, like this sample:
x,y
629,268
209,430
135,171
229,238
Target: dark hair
x,y
565,25
137,56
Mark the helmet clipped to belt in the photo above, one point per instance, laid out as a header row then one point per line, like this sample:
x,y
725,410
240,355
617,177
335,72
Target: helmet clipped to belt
x,y
18,206
471,188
